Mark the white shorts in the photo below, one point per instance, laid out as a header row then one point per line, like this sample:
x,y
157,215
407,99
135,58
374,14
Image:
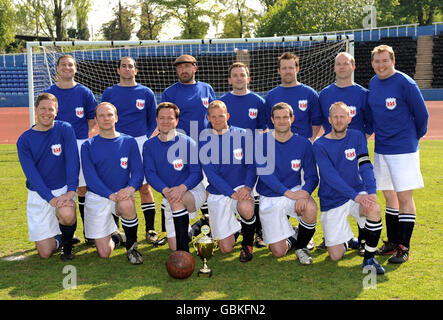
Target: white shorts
x,y
98,222
222,215
81,178
199,194
335,224
273,217
42,219
140,142
399,172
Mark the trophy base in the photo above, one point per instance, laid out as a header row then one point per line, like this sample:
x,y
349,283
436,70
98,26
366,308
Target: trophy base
x,y
205,272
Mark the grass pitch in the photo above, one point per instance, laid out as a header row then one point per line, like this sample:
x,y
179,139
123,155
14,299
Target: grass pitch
x,y
25,276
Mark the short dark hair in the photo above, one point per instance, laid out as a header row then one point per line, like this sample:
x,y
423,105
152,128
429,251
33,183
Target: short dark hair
x,y
238,65
169,105
282,106
46,96
127,57
66,56
288,55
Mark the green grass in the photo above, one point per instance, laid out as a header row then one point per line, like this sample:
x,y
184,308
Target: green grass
x,y
29,277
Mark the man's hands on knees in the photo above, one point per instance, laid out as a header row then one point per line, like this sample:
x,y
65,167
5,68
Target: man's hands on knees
x,y
123,194
64,200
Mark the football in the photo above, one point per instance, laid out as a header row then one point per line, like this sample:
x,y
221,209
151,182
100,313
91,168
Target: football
x,y
180,264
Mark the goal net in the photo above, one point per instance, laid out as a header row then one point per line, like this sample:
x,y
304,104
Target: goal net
x,y
97,61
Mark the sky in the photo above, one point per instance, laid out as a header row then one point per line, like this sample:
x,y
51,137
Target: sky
x,y
101,12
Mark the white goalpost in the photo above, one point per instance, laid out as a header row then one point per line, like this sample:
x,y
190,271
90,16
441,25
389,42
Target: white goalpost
x,y
97,61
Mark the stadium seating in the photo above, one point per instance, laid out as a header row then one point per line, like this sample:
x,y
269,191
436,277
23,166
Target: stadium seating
x,y
405,49
437,61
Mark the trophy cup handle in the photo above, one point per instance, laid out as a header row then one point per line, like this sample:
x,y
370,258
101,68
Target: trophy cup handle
x,y
194,239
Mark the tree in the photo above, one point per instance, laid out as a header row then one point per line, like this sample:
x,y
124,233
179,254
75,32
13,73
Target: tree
x,y
241,22
395,12
7,23
153,17
190,15
298,16
119,28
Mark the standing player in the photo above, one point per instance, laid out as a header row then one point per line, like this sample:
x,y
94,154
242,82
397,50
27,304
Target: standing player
x,y
76,104
177,175
231,179
400,119
302,98
347,187
192,98
49,158
356,98
347,91
246,110
136,106
281,191
113,171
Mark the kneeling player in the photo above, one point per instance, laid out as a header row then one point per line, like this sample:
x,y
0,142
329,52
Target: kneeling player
x,y
281,190
113,171
231,180
171,166
346,178
49,157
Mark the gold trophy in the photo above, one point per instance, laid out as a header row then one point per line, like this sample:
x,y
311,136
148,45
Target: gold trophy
x,y
205,248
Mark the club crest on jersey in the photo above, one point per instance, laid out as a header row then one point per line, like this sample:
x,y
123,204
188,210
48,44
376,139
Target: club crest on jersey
x,y
303,105
80,112
253,113
350,154
178,164
238,154
296,164
140,104
56,149
391,103
205,102
353,111
124,162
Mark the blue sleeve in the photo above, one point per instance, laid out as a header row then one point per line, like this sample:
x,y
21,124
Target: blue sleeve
x,y
31,172
137,176
418,109
151,171
274,184
329,174
310,170
91,177
151,113
365,168
262,122
366,113
216,181
195,170
72,159
316,115
90,104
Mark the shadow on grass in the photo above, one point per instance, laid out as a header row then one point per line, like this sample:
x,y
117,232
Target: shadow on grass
x,y
263,278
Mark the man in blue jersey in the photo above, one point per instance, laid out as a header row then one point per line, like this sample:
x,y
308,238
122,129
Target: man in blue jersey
x,y
302,98
113,171
136,106
76,104
192,97
226,154
246,110
170,162
347,187
400,120
48,155
281,190
346,90
356,98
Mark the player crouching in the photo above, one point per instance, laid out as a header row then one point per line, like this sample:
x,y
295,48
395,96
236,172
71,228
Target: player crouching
x,y
347,187
113,170
49,158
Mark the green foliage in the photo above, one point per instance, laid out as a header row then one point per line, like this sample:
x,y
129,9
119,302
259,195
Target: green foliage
x,y
25,276
7,23
397,12
119,28
291,17
153,18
